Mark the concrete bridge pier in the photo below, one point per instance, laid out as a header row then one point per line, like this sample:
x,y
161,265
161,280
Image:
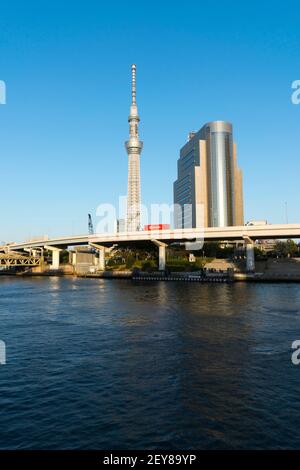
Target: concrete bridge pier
x,y
55,256
101,251
161,254
250,257
101,263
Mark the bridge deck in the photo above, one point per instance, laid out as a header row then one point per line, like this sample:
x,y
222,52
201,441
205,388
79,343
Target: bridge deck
x,y
275,231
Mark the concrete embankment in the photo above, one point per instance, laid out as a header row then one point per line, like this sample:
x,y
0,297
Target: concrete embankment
x,y
262,277
271,270
274,270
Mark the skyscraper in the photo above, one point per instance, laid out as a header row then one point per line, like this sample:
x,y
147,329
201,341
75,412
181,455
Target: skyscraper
x,y
134,147
208,177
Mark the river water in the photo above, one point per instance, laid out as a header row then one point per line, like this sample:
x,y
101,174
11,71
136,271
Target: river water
x,y
112,364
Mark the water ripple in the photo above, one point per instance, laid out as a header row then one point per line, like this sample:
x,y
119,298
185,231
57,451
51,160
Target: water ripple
x,y
108,364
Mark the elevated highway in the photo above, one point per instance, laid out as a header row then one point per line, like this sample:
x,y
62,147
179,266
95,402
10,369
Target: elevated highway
x,y
276,231
162,238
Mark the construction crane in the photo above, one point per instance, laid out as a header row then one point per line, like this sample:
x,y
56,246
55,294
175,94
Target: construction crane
x,y
90,225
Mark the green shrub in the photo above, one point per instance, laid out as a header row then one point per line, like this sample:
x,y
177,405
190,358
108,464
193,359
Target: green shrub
x,y
149,265
130,261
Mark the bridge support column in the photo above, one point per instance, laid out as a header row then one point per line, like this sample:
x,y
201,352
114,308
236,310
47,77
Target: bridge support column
x,y
250,257
161,254
101,251
55,256
101,263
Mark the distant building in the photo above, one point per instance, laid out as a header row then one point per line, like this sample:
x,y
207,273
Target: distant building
x,y
257,223
208,175
83,259
121,225
266,245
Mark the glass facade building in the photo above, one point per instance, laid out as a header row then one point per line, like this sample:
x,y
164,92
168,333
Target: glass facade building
x,y
208,176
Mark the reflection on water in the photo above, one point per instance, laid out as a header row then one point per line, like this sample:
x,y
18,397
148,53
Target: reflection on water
x,y
115,364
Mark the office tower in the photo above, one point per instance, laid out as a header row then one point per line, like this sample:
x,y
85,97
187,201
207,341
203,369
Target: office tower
x,y
134,147
208,177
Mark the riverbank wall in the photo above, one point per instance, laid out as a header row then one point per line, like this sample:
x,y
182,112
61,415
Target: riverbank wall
x,y
271,270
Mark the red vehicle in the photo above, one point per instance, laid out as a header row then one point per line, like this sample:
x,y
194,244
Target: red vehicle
x,y
157,227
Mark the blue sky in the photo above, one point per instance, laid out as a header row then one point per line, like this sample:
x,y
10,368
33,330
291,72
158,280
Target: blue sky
x,y
67,70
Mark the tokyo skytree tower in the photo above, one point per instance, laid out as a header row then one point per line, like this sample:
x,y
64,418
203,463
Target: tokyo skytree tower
x,y
134,147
